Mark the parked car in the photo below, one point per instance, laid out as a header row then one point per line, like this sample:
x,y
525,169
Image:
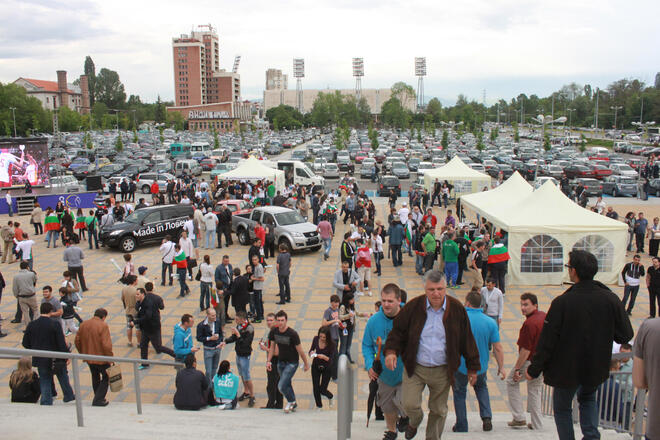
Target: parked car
x,y
400,170
235,206
345,165
620,186
145,180
68,183
388,183
578,171
622,169
592,186
331,171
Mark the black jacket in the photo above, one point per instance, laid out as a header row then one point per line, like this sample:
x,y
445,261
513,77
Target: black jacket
x,y
240,291
204,332
575,346
632,272
192,390
44,333
148,316
243,342
26,392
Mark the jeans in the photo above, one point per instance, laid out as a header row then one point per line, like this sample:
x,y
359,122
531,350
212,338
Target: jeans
x,y
77,272
327,244
38,228
258,304
166,267
54,235
460,392
631,239
563,408
286,371
630,292
285,287
100,382
377,260
429,259
182,272
498,272
639,241
654,295
346,342
320,381
205,295
211,361
46,383
397,257
210,238
419,264
451,271
93,233
194,240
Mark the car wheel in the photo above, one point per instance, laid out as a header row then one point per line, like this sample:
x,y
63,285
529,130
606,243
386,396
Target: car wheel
x,y
243,237
127,244
287,244
146,189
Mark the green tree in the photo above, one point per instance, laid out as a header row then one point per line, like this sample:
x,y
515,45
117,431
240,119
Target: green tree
x,y
445,139
546,142
434,109
216,140
161,114
175,119
404,93
119,145
287,117
516,133
583,143
90,72
109,89
339,138
494,132
68,119
394,114
135,136
480,141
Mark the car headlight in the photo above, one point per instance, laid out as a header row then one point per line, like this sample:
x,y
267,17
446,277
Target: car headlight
x,y
297,235
117,232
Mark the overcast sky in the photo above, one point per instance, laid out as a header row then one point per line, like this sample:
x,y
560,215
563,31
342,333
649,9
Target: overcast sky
x,y
503,46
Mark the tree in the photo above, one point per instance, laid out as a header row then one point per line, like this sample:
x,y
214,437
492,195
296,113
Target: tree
x,y
286,116
175,119
445,139
404,93
339,138
135,136
480,141
546,142
109,89
583,143
434,109
394,114
160,115
90,72
119,145
516,133
68,119
494,133
216,140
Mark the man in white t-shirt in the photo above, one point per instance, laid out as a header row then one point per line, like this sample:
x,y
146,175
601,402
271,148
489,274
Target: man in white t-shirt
x,y
492,301
210,224
25,247
167,253
189,226
403,213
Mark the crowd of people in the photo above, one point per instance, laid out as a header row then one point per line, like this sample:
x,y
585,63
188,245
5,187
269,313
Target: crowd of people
x,y
433,340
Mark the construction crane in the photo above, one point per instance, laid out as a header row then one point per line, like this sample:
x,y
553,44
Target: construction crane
x,y
237,61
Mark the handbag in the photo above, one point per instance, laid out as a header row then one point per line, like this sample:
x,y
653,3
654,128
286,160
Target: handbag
x,y
192,262
199,275
114,378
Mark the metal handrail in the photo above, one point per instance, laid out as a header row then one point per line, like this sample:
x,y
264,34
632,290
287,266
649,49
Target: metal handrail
x,y
75,369
346,381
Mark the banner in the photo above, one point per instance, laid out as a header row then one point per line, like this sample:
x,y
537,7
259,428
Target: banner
x,y
23,159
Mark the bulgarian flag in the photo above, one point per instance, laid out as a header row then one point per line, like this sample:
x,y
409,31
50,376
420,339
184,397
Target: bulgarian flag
x,y
81,223
180,260
343,187
214,298
498,254
52,223
408,233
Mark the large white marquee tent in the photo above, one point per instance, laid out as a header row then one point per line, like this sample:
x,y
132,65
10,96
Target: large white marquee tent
x,y
465,179
543,226
253,170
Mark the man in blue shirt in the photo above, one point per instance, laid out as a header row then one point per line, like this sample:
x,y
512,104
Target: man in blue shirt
x,y
182,340
641,225
485,332
389,381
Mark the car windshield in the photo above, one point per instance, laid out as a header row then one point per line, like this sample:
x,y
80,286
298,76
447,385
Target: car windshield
x,y
289,218
627,181
389,182
137,216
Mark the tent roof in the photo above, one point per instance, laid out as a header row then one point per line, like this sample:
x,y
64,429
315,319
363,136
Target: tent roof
x,y
548,209
456,169
252,168
512,189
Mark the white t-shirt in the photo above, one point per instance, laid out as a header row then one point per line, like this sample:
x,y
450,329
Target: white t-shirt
x,y
210,221
167,252
26,247
190,227
187,247
403,215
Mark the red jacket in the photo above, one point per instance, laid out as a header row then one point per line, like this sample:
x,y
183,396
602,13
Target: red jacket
x,y
154,188
260,232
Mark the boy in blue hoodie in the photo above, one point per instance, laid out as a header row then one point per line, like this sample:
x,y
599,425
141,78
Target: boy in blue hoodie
x,y
183,338
389,381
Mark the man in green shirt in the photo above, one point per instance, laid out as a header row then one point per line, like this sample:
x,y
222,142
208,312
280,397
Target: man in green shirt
x,y
450,255
429,245
270,193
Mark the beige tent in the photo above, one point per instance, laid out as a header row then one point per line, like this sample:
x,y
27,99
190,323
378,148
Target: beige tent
x,y
544,226
514,188
253,170
465,179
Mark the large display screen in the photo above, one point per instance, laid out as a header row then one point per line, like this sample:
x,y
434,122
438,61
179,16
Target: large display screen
x,y
23,160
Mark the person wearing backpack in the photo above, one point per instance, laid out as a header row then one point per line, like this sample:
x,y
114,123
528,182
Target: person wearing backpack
x,y
363,266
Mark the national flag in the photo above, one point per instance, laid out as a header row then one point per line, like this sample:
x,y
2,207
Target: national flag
x,y
214,298
498,254
408,233
81,223
180,260
52,223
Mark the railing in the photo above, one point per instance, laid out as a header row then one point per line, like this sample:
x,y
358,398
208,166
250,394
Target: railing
x,y
346,381
75,369
619,407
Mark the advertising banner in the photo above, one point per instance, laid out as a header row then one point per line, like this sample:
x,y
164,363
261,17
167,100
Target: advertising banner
x,y
23,159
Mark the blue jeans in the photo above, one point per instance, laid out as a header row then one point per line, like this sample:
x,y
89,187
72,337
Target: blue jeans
x,y
562,403
630,292
345,342
54,235
419,264
377,260
397,257
194,240
286,371
93,233
327,244
182,272
205,295
285,287
460,391
258,304
451,272
47,386
211,361
210,238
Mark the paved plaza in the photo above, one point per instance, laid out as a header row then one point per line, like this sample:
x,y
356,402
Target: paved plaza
x,y
311,284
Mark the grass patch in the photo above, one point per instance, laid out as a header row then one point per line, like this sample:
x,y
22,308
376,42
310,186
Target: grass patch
x,y
600,143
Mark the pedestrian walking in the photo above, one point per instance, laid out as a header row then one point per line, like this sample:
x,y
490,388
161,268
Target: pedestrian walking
x,y
129,300
274,395
640,229
23,287
73,257
322,352
167,252
653,285
324,228
7,235
242,337
148,307
206,276
283,264
492,301
93,338
646,372
210,225
631,274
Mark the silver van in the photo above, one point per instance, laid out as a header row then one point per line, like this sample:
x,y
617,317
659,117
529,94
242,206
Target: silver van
x,y
187,166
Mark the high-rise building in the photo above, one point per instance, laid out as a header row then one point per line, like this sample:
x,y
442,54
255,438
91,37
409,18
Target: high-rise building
x,y
196,58
275,80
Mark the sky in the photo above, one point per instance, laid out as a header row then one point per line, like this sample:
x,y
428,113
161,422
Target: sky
x,y
504,47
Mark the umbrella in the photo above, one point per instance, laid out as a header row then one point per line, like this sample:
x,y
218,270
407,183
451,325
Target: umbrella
x,y
373,385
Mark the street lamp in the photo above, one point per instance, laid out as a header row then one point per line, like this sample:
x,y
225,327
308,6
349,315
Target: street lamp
x,y
644,126
13,111
544,120
616,108
570,115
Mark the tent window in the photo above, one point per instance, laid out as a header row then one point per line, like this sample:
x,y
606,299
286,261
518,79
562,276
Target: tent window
x,y
601,247
462,186
543,254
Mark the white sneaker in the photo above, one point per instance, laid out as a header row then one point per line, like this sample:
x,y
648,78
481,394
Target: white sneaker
x,y
331,402
369,292
287,408
358,293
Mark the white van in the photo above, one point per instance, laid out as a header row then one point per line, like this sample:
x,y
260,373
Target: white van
x,y
68,182
201,147
596,150
297,172
187,166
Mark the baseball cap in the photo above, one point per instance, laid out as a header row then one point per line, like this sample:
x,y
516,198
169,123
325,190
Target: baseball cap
x,y
142,269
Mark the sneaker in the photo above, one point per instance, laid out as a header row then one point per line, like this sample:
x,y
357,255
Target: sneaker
x,y
287,408
455,287
402,424
251,402
487,424
294,405
369,293
243,396
410,432
268,266
143,367
389,435
517,423
358,293
529,425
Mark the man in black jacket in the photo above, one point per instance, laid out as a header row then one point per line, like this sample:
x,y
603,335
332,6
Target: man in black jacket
x,y
45,333
575,347
209,333
224,226
148,307
631,274
242,337
192,388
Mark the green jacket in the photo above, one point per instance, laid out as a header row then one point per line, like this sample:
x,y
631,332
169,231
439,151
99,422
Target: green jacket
x,y
450,251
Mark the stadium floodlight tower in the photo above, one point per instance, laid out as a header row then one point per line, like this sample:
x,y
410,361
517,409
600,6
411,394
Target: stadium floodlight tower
x,y
420,73
358,73
299,74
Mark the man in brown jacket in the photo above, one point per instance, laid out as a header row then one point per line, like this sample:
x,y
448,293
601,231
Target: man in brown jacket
x,y
431,333
93,337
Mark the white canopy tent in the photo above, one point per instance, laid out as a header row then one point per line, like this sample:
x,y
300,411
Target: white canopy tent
x,y
253,170
544,226
465,179
512,189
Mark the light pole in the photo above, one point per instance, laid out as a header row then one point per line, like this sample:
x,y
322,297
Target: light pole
x,y
570,115
13,111
544,120
644,126
616,108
